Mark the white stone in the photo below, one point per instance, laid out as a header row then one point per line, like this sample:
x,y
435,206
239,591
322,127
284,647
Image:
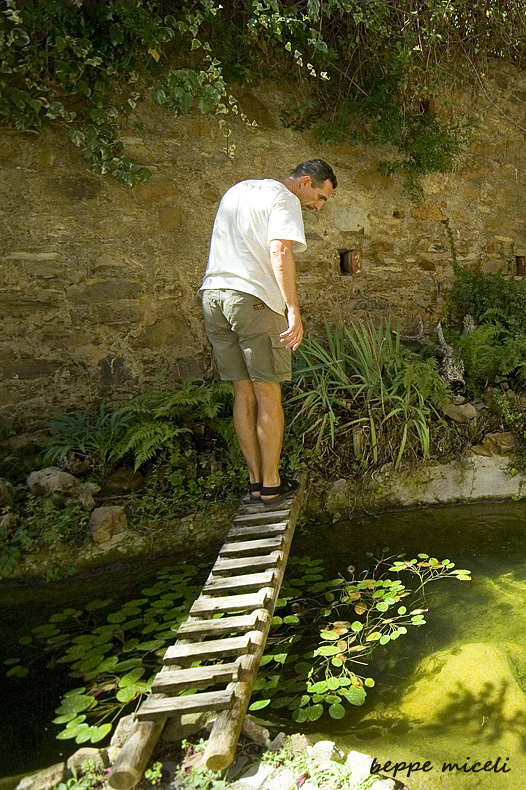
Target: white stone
x,y
255,777
327,750
360,765
284,779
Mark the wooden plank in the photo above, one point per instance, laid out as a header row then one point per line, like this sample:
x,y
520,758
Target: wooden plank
x,y
245,582
194,677
215,648
227,566
156,706
260,530
230,603
250,546
262,517
223,625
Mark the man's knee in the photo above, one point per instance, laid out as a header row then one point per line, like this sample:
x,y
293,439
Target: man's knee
x,y
268,393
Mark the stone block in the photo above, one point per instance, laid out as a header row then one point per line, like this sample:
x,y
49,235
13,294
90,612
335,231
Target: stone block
x,y
99,757
105,522
155,194
351,221
44,780
461,413
171,218
28,368
500,442
102,290
76,187
428,211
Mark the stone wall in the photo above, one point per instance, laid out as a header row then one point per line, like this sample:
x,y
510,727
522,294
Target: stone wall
x,y
98,282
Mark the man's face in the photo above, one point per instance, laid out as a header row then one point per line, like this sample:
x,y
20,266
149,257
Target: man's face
x,y
313,198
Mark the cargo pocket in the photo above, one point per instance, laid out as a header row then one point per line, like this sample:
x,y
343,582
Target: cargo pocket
x,y
281,357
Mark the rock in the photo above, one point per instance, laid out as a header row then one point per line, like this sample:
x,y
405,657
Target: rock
x,y
298,743
123,730
360,765
62,487
99,757
43,780
256,111
327,750
347,220
105,522
429,210
500,442
8,522
256,732
464,412
6,493
284,778
255,777
124,481
171,218
278,742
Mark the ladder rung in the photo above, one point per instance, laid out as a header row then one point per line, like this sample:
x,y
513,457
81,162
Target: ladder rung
x,y
230,603
215,648
250,546
258,531
239,563
262,517
246,582
156,706
195,677
221,625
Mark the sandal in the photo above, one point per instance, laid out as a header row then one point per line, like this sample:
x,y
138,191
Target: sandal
x,y
279,493
252,488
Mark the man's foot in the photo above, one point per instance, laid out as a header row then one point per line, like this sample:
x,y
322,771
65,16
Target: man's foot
x,y
254,492
275,495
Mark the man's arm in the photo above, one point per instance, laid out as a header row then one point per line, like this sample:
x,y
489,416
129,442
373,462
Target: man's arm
x,y
284,268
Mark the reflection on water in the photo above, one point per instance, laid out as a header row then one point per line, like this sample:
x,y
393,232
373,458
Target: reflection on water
x,y
451,693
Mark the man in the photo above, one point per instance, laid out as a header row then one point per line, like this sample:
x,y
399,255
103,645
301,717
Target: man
x,y
252,315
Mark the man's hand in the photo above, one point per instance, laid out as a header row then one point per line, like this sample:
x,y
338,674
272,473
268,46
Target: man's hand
x,y
293,336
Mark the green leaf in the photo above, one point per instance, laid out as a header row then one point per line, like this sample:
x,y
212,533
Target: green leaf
x,y
333,684
327,650
100,732
259,704
300,715
336,711
314,712
98,603
131,677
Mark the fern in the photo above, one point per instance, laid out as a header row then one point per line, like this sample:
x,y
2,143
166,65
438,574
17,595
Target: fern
x,y
84,433
146,438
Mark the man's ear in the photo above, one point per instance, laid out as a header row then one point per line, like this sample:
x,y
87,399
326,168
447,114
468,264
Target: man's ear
x,y
305,181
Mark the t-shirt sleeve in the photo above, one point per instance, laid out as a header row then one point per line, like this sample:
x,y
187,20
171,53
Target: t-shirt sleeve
x,y
286,221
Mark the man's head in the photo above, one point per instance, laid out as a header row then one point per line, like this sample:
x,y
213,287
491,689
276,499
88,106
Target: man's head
x,y
312,182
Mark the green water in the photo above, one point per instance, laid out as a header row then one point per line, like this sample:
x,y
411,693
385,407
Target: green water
x,y
452,691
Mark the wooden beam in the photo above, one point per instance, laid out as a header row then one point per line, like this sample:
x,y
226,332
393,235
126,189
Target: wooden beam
x,y
222,625
158,706
230,603
245,582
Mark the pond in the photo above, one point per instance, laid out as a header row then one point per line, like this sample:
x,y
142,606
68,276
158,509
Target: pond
x,y
448,692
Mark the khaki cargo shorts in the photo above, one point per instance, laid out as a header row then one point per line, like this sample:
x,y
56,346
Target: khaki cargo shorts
x,y
244,333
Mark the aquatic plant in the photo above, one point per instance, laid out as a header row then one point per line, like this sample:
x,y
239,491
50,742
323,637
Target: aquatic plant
x,y
363,379
339,620
114,661
328,629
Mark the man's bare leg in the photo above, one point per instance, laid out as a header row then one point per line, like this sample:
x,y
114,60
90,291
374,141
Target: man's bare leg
x,y
245,424
270,424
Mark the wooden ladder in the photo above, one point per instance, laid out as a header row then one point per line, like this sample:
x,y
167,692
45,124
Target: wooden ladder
x,y
226,631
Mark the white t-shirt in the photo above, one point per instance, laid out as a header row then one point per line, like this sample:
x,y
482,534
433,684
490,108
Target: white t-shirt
x,y
250,215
